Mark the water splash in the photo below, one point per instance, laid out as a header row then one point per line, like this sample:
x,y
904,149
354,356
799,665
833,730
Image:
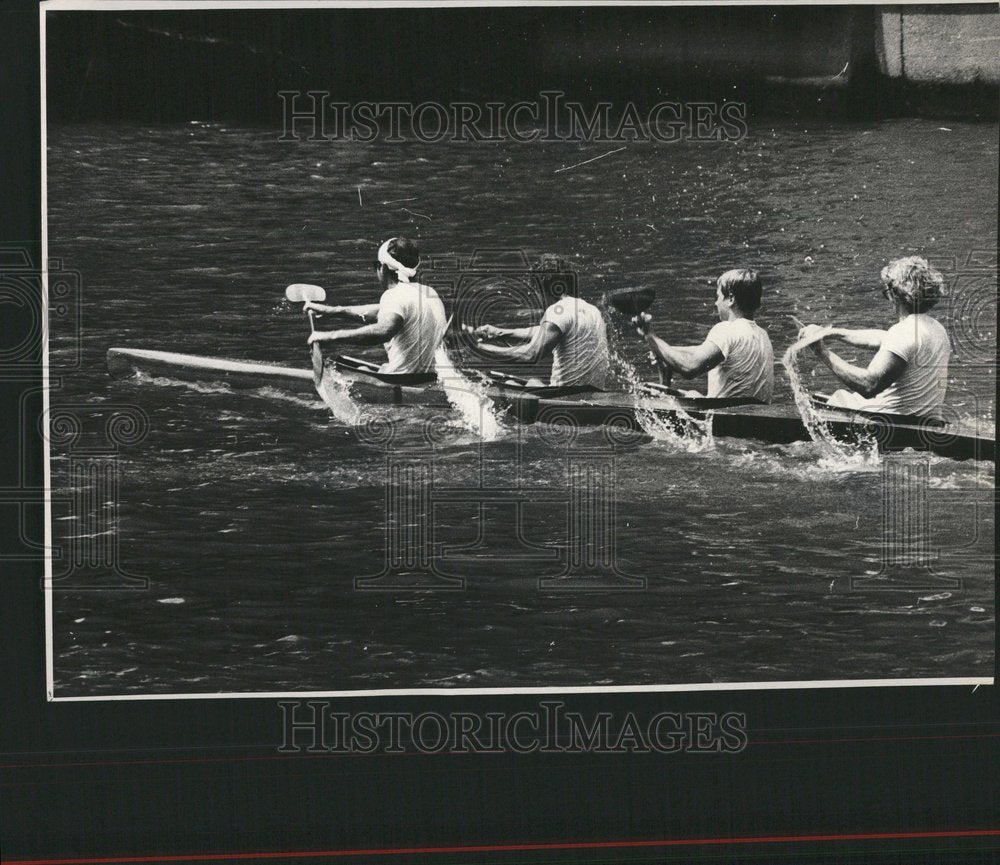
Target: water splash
x,y
836,454
676,428
468,397
335,391
475,409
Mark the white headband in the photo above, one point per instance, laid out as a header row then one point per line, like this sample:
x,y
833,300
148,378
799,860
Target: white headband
x,y
403,273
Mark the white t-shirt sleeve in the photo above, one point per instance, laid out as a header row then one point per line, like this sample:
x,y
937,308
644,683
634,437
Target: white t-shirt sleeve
x,y
561,315
392,302
721,337
901,340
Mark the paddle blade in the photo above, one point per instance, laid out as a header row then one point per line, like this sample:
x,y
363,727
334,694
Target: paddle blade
x,y
630,301
302,291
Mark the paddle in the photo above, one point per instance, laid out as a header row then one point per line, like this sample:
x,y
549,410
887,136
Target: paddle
x,y
817,399
832,330
662,388
301,292
364,365
633,302
317,353
503,378
630,301
666,373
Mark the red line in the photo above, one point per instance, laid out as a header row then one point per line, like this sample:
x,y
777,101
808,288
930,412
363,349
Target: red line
x,y
872,739
505,848
325,754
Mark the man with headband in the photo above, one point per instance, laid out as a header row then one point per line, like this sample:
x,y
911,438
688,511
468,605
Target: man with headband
x,y
909,373
572,331
409,318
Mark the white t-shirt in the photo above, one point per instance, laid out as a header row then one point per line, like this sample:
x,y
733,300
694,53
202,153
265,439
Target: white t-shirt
x,y
581,357
424,322
747,368
923,343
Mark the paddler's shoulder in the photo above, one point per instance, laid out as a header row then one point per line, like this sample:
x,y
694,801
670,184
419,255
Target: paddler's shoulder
x,y
747,325
574,305
586,304
425,290
410,289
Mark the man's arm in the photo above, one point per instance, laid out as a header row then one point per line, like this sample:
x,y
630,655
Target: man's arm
x,y
487,332
543,339
522,333
688,361
387,326
864,338
365,311
884,369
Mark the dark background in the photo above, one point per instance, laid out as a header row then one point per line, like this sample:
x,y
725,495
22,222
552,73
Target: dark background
x,y
177,777
172,66
172,60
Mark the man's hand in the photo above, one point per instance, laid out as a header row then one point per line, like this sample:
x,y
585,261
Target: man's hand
x,y
311,306
487,332
320,336
819,348
809,330
643,323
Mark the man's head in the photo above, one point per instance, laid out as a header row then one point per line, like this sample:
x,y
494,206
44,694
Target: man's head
x,y
554,277
738,294
397,261
912,283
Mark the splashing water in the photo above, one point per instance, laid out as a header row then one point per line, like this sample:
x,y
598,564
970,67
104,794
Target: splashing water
x,y
677,428
836,453
468,397
334,390
475,409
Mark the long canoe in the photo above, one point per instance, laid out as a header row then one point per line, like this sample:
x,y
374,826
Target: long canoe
x,y
778,424
124,362
367,386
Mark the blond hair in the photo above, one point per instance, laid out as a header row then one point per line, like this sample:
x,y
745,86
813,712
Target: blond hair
x,y
744,287
914,282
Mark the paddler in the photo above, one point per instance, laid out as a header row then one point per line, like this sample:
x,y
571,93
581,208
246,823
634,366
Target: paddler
x,y
571,330
409,318
909,373
736,353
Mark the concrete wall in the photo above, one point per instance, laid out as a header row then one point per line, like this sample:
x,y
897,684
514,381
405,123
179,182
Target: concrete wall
x,y
940,45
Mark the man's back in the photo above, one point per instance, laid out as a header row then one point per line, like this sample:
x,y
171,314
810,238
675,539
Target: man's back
x,y
581,357
922,341
412,349
747,368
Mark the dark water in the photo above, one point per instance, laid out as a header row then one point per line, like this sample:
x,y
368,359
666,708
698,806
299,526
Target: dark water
x,y
252,513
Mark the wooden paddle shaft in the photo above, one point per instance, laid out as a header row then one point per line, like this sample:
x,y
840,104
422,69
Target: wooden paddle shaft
x,y
317,352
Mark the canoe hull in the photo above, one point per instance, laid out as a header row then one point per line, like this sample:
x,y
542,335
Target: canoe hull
x,y
243,374
192,367
773,424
